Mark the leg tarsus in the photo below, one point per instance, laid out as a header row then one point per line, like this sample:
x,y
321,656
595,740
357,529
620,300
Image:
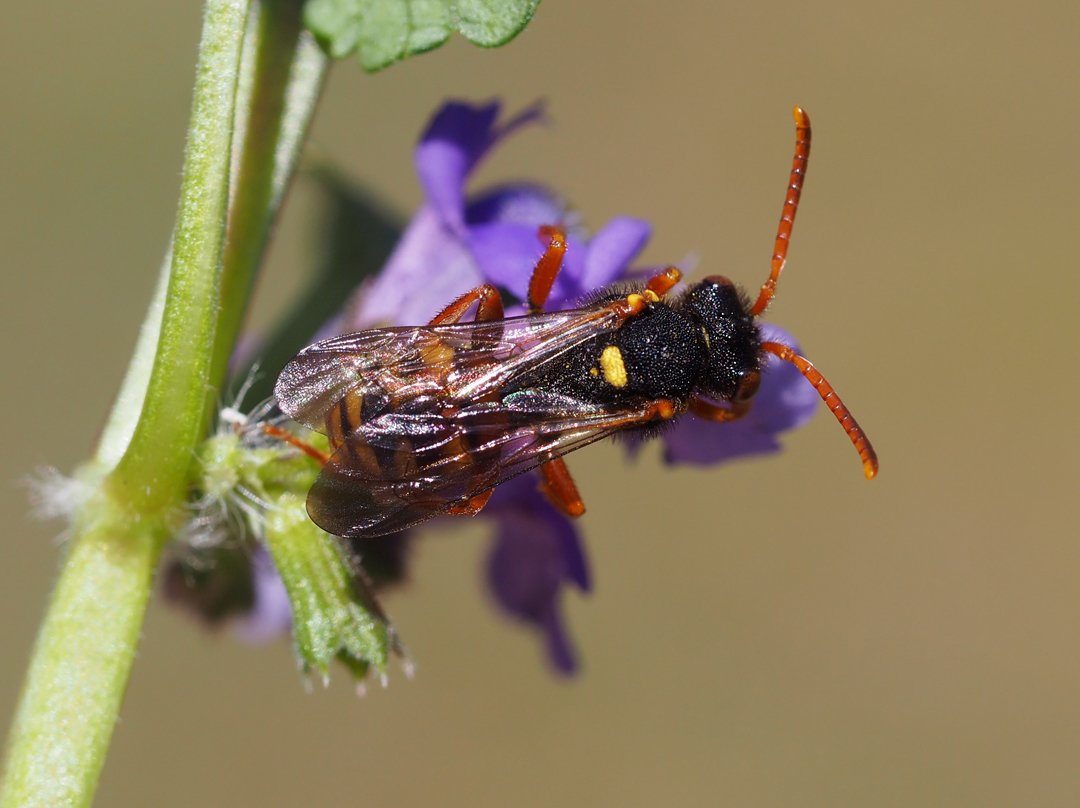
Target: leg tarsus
x,y
471,506
714,412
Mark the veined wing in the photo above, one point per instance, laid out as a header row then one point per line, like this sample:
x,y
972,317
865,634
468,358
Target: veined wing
x,y
402,468
461,361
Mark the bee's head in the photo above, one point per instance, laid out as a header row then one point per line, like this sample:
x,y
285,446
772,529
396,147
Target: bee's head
x,y
733,365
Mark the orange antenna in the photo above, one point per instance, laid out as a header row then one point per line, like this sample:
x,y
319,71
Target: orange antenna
x,y
288,437
833,402
787,215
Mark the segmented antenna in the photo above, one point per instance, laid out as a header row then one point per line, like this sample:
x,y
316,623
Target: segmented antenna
x,y
833,402
787,215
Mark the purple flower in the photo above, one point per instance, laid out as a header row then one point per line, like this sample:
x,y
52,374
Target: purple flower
x,y
537,551
270,615
457,242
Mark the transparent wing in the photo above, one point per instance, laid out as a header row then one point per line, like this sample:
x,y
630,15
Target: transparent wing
x,y
402,468
459,361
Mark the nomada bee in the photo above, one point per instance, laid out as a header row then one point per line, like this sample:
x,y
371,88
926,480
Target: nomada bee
x,y
427,421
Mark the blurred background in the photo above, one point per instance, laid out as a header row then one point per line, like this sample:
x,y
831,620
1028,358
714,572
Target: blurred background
x,y
776,632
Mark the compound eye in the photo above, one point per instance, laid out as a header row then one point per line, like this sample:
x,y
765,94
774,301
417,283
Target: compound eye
x,y
748,386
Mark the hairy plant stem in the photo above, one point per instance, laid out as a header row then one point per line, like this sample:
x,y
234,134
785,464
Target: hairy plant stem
x,y
282,80
87,641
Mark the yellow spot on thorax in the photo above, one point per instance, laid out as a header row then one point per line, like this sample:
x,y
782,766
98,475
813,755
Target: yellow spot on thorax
x,y
611,363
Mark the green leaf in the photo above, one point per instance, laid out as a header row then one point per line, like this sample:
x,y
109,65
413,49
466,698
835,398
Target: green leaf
x,y
430,25
386,31
383,32
335,23
491,23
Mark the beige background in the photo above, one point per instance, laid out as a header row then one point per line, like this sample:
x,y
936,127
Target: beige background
x,y
776,633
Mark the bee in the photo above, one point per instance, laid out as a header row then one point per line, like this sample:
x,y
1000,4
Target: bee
x,y
427,421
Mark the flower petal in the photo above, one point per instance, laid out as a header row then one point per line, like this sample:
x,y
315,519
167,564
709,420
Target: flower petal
x,y
537,550
455,141
560,650
612,249
428,268
519,203
506,255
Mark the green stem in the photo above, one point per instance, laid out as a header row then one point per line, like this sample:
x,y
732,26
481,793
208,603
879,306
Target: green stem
x,y
152,474
282,79
87,643
282,74
80,666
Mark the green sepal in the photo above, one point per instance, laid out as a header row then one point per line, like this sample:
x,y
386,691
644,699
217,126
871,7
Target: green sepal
x,y
330,618
224,463
335,615
387,31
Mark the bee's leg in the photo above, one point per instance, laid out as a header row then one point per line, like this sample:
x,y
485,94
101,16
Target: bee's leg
x,y
558,486
556,483
489,306
471,506
714,412
661,284
547,268
658,286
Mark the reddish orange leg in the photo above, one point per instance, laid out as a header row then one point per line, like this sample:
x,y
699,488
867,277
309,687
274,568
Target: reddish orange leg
x,y
489,306
658,286
787,215
288,437
547,268
661,284
471,506
714,412
558,486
